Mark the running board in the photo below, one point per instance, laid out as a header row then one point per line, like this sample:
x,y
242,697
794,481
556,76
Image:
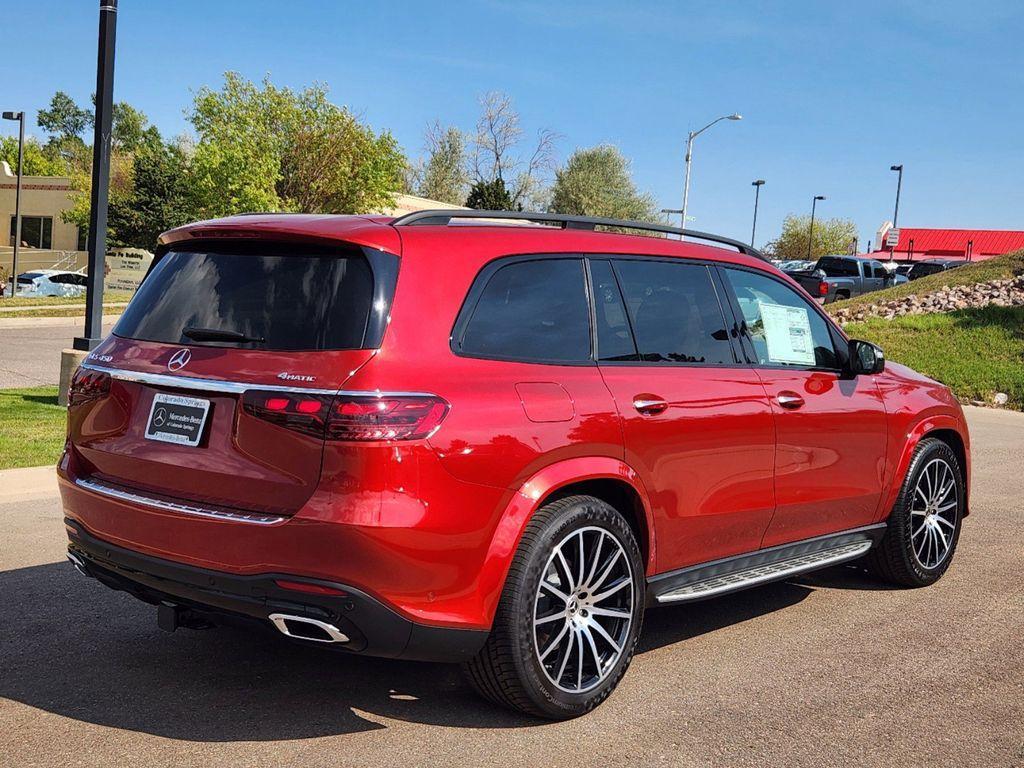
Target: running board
x,y
735,573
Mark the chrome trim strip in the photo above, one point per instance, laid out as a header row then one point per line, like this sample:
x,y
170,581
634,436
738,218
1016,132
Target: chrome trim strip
x,y
768,572
253,518
234,387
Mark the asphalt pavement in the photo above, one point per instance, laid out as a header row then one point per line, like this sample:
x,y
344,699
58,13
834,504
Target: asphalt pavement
x,y
30,348
834,669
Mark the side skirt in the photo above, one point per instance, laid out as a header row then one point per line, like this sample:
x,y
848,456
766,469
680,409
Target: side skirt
x,y
698,582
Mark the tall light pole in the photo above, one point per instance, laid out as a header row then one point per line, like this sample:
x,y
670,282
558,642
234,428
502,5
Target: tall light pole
x,y
899,183
810,238
100,178
20,117
757,196
689,156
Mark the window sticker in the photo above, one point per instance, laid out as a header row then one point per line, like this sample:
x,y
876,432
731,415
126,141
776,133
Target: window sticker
x,y
787,331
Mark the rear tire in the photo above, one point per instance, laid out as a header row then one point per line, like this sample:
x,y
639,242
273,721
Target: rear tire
x,y
570,614
924,525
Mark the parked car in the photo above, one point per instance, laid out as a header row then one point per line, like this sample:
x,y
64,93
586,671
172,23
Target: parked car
x,y
52,282
495,445
834,278
798,265
933,266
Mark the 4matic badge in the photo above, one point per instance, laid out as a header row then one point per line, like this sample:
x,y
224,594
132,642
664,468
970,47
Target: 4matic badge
x,y
285,376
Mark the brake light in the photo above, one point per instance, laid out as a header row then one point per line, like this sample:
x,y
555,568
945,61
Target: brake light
x,y
357,418
388,417
823,288
88,385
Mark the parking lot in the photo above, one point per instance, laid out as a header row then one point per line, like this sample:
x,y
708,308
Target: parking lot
x,y
833,669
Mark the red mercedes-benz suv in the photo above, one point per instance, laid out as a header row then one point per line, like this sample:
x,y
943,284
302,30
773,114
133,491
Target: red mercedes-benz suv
x,y
490,438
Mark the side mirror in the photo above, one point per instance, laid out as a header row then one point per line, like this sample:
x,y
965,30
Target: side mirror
x,y
865,358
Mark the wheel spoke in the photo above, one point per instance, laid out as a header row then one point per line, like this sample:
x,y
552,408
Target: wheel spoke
x,y
597,557
921,528
553,617
604,633
568,571
579,666
611,612
609,592
555,642
608,569
583,561
940,535
554,590
565,659
593,651
945,522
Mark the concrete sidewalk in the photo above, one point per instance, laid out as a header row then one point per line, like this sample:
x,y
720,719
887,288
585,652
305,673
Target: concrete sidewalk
x,y
28,484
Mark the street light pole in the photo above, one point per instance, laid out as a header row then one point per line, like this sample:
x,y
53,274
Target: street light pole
x,y
100,178
899,183
20,117
757,196
810,238
689,156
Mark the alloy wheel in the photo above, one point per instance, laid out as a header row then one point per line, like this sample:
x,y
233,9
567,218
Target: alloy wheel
x,y
583,609
933,513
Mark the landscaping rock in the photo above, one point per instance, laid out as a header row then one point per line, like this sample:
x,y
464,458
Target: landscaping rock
x,y
1001,293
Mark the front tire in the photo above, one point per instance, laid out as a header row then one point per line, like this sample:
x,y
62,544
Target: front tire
x,y
924,526
570,614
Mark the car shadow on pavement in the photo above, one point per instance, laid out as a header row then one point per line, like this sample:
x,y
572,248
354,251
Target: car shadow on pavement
x,y
73,648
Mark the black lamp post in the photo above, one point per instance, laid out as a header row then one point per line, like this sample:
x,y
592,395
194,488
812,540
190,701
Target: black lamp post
x,y
810,238
100,178
899,183
20,117
757,196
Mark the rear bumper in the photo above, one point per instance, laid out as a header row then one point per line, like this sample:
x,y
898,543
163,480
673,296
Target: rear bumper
x,y
371,627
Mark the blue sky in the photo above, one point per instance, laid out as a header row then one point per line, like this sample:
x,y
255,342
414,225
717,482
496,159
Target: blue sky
x,y
831,93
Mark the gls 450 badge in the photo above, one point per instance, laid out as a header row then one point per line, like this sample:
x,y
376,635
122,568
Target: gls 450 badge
x,y
285,376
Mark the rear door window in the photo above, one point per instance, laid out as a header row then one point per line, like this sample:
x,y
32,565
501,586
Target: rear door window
x,y
287,298
532,310
838,267
674,312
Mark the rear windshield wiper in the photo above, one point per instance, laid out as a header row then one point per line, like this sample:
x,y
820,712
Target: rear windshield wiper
x,y
219,334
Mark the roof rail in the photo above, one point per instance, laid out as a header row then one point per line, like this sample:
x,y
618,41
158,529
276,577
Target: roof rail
x,y
442,217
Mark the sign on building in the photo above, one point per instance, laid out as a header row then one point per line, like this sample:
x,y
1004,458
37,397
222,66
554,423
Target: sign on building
x,y
125,268
892,238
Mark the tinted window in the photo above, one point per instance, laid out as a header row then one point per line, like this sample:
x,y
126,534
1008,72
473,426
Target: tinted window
x,y
837,267
614,337
532,310
923,270
674,312
783,328
293,299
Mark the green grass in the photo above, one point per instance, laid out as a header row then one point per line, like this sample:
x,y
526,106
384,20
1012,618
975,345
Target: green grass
x,y
1001,267
976,352
44,301
32,427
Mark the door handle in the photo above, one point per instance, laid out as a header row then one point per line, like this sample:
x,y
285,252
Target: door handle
x,y
789,400
649,405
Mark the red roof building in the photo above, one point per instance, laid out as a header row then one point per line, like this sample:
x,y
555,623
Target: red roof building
x,y
974,244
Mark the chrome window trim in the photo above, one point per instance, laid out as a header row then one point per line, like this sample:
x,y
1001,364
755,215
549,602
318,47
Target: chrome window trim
x,y
253,518
233,387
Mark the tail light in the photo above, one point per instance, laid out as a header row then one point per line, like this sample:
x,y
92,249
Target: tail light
x,y
823,288
357,418
88,385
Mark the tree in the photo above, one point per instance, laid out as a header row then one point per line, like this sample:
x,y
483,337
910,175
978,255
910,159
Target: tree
x,y
495,153
443,176
596,182
64,119
158,199
491,196
36,159
268,148
130,128
831,236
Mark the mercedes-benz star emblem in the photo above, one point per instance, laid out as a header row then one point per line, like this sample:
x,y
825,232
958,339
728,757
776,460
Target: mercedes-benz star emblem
x,y
179,360
160,417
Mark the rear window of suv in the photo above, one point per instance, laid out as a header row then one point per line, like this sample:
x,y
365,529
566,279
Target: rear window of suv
x,y
279,298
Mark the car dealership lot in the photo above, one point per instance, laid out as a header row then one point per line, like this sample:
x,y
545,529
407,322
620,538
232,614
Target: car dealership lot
x,y
831,669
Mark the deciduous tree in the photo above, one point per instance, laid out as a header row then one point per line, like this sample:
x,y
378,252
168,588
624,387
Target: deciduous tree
x,y
831,236
597,182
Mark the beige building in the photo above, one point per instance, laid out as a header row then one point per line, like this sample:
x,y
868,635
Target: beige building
x,y
45,237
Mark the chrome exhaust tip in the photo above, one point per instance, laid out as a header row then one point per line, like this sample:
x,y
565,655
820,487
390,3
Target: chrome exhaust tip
x,y
79,564
303,628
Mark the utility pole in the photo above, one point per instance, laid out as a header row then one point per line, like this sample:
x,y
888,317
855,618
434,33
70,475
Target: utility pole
x,y
20,117
100,178
757,196
689,156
